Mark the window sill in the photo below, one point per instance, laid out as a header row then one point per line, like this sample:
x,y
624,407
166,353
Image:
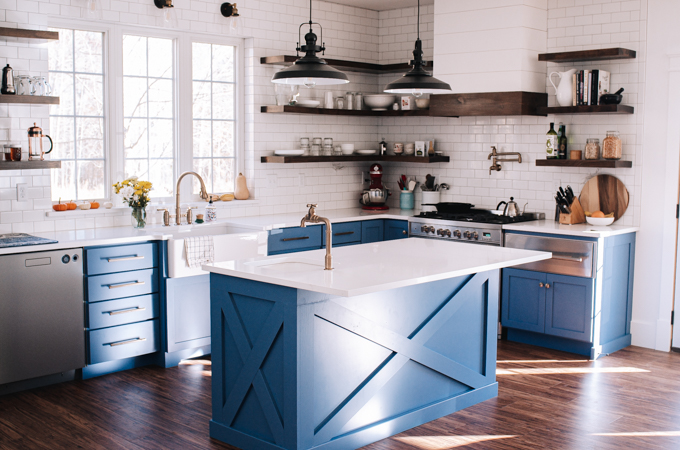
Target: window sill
x,y
150,209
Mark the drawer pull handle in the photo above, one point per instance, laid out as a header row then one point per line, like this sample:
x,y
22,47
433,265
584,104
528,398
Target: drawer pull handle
x,y
127,341
568,257
124,258
123,311
346,233
134,283
301,238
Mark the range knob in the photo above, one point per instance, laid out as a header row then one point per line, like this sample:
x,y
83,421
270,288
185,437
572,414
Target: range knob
x,y
456,234
467,235
475,236
425,229
446,233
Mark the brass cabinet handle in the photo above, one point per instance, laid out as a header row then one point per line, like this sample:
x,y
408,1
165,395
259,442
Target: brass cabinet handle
x,y
123,311
547,285
302,238
540,284
404,232
127,341
134,283
124,258
346,233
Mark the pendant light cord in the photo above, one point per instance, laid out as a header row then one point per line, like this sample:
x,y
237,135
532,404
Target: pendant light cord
x,y
310,13
418,19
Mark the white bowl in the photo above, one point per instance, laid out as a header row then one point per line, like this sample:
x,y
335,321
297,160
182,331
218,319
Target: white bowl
x,y
379,101
347,149
308,103
600,221
289,152
423,103
366,152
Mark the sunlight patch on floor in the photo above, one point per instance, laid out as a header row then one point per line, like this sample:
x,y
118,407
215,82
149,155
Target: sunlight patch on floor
x,y
540,361
641,434
195,362
569,370
446,442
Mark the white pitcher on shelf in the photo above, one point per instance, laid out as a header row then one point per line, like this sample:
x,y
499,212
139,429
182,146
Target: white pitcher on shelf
x,y
564,90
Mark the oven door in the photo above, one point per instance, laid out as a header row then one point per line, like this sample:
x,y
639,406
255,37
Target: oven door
x,y
573,257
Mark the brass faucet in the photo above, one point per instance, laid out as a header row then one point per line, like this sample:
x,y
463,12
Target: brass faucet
x,y
311,217
495,155
178,210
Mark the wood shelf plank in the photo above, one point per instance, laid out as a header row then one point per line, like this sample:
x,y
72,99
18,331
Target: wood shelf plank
x,y
599,163
488,104
28,34
29,165
341,112
596,109
602,54
30,99
354,158
348,66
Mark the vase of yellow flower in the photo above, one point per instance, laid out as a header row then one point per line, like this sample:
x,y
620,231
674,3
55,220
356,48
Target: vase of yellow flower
x,y
136,194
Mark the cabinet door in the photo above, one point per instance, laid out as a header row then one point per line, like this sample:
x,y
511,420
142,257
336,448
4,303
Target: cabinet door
x,y
372,231
188,312
569,307
523,300
344,233
295,239
396,229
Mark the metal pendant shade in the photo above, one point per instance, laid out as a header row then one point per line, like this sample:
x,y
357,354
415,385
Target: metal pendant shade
x,y
310,70
417,81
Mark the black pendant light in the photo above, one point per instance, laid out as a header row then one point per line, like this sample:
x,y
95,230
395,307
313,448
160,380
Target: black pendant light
x,y
417,81
310,70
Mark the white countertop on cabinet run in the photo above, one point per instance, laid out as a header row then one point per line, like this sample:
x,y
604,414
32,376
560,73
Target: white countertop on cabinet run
x,y
582,230
362,269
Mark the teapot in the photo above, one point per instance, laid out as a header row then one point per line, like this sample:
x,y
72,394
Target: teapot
x,y
564,90
511,208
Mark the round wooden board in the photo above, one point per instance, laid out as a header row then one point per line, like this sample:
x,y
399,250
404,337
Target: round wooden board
x,y
605,193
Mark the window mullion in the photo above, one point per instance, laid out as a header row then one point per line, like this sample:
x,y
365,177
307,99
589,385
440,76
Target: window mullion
x,y
184,114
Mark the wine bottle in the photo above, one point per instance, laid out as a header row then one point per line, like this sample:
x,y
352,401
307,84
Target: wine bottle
x,y
551,142
562,142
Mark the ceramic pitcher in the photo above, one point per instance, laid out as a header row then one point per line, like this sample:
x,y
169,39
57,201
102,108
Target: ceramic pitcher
x,y
564,90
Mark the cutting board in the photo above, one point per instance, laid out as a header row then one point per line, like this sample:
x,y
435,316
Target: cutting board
x,y
605,193
22,239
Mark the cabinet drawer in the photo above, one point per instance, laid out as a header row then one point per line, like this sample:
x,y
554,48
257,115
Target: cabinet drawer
x,y
125,310
292,239
121,258
124,341
344,233
120,285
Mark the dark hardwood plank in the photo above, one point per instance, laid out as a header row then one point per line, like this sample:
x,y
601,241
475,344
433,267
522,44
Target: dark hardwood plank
x,y
29,165
488,104
347,66
275,109
30,99
589,55
156,408
28,34
600,163
591,109
350,158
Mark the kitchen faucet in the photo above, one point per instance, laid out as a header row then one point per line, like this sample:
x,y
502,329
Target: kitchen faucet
x,y
178,210
311,217
495,155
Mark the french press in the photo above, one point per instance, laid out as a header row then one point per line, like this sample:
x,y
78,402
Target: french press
x,y
35,147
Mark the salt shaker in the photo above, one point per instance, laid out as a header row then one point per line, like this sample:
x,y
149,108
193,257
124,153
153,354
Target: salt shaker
x,y
349,100
358,101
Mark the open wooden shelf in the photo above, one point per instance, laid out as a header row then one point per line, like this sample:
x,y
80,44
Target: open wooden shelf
x,y
352,158
589,55
593,109
348,66
30,99
29,165
599,163
28,34
517,103
341,112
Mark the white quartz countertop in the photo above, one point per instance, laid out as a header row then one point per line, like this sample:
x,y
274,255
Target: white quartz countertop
x,y
583,230
367,268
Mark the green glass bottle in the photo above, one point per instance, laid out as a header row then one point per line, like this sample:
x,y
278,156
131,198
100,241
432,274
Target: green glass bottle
x,y
562,143
551,142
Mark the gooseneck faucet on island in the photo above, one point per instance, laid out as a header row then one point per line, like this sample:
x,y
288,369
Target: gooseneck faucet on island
x,y
311,217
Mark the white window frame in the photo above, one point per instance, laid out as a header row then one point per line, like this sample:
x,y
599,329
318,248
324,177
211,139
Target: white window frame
x,y
183,86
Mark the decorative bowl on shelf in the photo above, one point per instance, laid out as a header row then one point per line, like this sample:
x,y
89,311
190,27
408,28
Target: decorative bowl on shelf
x,y
347,149
600,221
289,152
423,103
307,103
366,152
379,102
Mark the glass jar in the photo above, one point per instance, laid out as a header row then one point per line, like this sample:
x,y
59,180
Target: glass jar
x,y
337,151
304,142
327,150
611,146
339,103
317,141
349,100
358,101
328,142
12,151
315,150
592,150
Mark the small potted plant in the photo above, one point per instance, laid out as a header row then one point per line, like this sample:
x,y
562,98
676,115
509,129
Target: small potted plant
x,y
136,194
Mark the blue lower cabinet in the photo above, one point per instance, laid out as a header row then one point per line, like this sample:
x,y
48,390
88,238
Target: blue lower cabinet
x,y
122,311
523,300
122,284
395,229
295,239
344,233
99,260
569,307
372,231
124,341
187,312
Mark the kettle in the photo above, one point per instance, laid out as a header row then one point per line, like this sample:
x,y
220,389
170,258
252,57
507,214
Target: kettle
x,y
511,208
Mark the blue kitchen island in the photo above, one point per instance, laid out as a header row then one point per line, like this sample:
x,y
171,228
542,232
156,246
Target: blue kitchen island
x,y
400,333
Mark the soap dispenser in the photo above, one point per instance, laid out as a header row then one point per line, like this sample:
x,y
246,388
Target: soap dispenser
x,y
210,212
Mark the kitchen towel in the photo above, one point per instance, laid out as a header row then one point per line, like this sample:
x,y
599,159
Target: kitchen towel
x,y
200,250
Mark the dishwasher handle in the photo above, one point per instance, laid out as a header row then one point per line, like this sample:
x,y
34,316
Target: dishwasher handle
x,y
568,257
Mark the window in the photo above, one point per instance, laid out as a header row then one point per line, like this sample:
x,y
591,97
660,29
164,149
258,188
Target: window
x,y
76,66
214,113
148,111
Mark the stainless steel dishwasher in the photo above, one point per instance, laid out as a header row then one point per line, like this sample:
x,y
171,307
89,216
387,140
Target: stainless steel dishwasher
x,y
575,257
41,314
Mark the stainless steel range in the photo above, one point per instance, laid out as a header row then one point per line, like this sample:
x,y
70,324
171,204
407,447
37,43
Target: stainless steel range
x,y
479,226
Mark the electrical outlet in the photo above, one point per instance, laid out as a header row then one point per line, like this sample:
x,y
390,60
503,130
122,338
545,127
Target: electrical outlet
x,y
301,179
22,193
272,181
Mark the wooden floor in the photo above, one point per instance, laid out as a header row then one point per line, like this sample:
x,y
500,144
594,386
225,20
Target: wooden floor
x,y
547,400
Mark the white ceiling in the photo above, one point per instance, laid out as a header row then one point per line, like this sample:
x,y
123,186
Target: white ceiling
x,y
381,5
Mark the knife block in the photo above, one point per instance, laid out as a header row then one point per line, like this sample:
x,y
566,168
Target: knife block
x,y
576,216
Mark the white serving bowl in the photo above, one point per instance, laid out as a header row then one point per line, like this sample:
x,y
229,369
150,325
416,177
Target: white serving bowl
x,y
600,221
423,103
379,101
347,149
308,103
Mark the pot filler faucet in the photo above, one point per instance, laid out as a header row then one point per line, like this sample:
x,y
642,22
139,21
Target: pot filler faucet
x,y
311,217
495,155
178,210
